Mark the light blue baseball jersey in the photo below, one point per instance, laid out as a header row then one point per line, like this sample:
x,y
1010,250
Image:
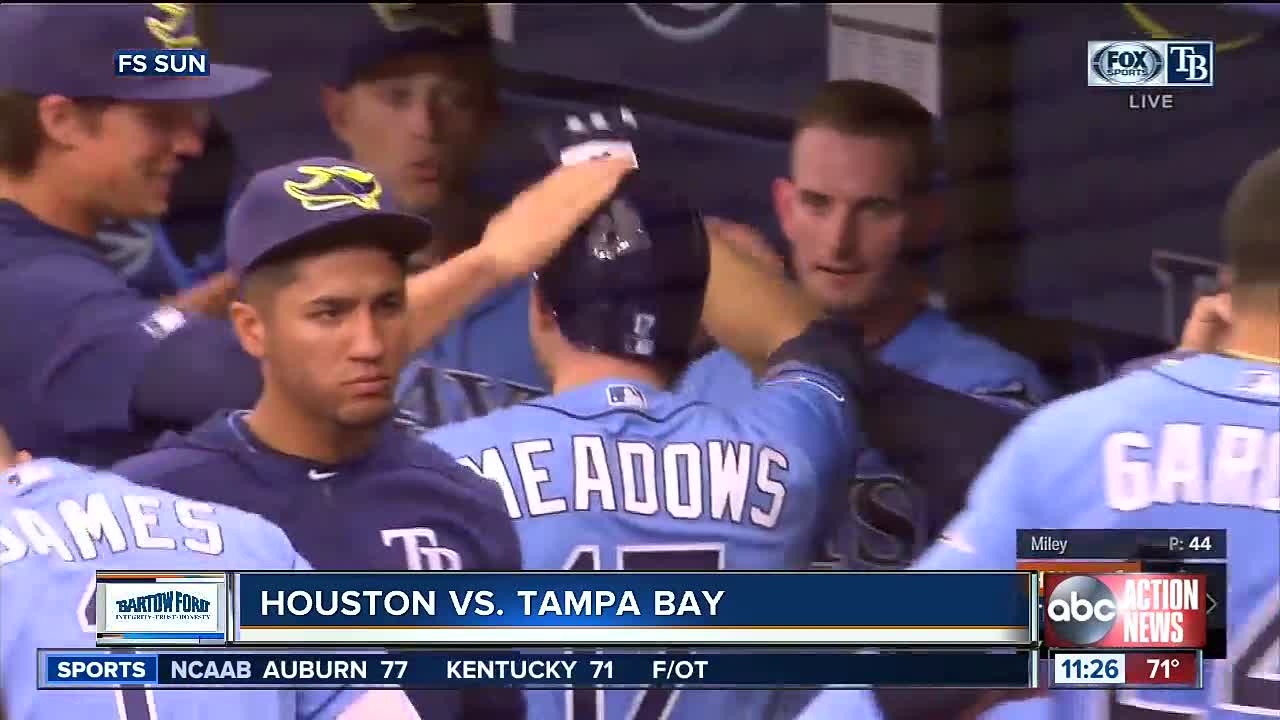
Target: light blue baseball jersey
x,y
1191,443
618,475
58,524
483,362
888,525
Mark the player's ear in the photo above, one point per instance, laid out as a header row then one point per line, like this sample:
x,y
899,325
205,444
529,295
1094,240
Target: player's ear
x,y
61,120
247,322
336,104
541,319
784,192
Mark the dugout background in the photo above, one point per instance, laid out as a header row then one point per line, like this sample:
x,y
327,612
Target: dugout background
x,y
1060,199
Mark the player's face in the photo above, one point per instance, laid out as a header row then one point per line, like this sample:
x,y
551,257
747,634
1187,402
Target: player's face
x,y
847,215
336,338
420,123
130,153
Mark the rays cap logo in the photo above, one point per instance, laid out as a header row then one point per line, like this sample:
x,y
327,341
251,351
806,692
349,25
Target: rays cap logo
x,y
335,186
1082,610
454,19
175,28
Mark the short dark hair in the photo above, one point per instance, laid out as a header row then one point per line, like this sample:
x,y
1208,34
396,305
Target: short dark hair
x,y
1251,224
862,107
21,137
279,268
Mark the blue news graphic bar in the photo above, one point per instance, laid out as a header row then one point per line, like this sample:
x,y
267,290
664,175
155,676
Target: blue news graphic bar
x,y
1002,668
171,636
162,63
745,599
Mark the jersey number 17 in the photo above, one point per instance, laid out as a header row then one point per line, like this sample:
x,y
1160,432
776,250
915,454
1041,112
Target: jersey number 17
x,y
654,703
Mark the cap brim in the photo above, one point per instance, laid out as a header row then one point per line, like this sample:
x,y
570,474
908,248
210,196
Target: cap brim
x,y
222,80
401,234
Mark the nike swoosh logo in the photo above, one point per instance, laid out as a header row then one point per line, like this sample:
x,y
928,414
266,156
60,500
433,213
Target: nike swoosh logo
x,y
314,475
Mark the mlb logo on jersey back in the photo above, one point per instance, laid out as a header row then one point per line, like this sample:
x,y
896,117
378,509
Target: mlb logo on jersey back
x,y
625,396
27,475
1265,383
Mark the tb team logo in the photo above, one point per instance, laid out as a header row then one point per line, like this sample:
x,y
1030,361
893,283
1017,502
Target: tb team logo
x,y
1155,64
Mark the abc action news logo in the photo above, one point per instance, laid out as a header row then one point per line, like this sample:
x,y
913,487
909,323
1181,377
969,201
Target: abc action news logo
x,y
1125,610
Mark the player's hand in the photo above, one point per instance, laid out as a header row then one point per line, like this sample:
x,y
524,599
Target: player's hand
x,y
746,240
9,458
540,220
212,297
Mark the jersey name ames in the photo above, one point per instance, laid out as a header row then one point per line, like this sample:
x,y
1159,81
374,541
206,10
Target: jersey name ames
x,y
92,521
1242,469
682,480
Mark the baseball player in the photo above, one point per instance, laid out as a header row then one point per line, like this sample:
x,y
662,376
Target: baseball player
x,y
323,259
415,100
1190,443
95,367
859,213
59,523
616,472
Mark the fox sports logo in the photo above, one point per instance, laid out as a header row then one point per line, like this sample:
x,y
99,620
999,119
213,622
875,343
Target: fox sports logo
x,y
686,22
1127,63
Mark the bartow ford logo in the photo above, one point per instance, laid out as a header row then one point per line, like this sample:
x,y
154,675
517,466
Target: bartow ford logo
x,y
1082,610
1123,63
166,603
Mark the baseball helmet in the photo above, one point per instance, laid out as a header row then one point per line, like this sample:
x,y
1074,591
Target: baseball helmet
x,y
632,280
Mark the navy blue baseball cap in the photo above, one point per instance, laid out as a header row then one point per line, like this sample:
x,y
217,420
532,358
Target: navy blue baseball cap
x,y
70,50
387,30
285,206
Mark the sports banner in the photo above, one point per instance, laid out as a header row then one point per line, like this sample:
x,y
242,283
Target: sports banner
x,y
612,609
61,669
594,609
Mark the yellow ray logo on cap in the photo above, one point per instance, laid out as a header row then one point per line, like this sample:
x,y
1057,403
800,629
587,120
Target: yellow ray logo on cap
x,y
449,18
167,30
331,187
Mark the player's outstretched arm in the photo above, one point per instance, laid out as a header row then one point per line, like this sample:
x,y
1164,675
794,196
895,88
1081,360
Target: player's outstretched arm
x,y
517,241
750,308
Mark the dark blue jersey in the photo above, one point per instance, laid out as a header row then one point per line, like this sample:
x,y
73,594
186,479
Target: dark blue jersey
x,y
405,505
91,369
